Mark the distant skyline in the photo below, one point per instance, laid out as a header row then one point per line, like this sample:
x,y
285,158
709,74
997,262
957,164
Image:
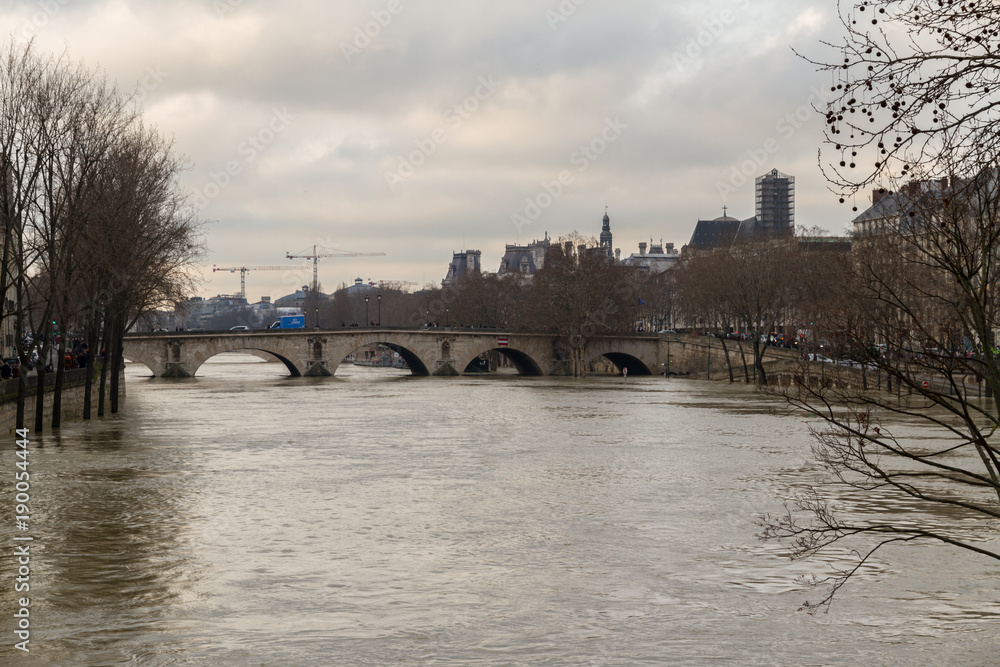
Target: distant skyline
x,y
419,129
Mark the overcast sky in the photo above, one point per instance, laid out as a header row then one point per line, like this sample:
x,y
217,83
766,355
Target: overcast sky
x,y
422,127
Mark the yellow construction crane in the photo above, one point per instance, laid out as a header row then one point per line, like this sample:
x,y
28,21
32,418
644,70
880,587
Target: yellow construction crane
x,y
243,273
315,257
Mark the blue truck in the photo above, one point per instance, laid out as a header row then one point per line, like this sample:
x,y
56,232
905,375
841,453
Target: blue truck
x,y
290,322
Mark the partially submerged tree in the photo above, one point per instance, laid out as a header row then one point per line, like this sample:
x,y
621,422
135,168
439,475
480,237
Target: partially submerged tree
x,y
924,316
745,285
95,230
916,84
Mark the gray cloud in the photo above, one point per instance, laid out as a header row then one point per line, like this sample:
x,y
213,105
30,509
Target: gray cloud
x,y
230,66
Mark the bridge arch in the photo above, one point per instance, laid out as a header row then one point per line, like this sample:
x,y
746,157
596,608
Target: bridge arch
x,y
183,355
523,362
417,358
635,355
147,364
621,360
293,371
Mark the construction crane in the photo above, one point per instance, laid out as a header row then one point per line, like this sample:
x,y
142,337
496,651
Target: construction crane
x,y
243,273
315,257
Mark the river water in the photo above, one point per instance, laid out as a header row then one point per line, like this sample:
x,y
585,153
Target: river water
x,y
247,518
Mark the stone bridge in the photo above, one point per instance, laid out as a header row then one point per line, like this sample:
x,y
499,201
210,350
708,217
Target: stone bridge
x,y
436,351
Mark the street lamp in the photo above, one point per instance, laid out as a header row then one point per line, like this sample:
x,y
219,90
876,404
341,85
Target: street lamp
x,y
380,308
447,318
427,320
367,321
317,318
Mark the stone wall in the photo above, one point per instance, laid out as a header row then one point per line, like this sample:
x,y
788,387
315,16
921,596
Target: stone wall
x,y
72,399
703,357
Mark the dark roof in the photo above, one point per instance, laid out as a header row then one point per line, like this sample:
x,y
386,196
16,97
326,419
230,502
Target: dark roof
x,y
748,228
891,205
511,261
712,233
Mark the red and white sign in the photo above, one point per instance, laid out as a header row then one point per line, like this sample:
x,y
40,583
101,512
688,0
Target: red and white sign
x,y
502,342
926,384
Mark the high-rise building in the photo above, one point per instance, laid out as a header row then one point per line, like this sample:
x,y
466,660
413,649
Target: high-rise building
x,y
775,204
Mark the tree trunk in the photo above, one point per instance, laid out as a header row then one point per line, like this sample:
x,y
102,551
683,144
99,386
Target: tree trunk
x,y
22,395
117,359
743,356
578,355
40,390
60,378
108,335
729,362
758,361
92,341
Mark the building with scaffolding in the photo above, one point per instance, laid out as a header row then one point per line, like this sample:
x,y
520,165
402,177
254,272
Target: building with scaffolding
x,y
775,216
775,205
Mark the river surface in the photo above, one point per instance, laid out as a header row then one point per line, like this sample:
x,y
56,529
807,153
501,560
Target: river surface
x,y
247,518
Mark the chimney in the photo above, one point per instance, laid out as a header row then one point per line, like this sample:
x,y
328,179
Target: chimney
x,y
618,254
568,248
913,188
877,195
642,248
581,250
670,248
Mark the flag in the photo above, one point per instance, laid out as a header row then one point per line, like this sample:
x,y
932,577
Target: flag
x,y
641,302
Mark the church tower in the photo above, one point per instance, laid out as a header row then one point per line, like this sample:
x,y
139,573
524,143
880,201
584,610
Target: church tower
x,y
606,243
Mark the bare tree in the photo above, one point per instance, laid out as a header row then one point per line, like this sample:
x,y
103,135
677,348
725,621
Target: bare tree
x,y
925,307
22,74
702,291
146,241
580,293
913,81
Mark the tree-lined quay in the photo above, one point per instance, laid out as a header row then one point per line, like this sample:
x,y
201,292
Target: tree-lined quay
x,y
95,230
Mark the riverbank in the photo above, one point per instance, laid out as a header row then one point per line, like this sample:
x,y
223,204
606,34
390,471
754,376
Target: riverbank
x,y
74,388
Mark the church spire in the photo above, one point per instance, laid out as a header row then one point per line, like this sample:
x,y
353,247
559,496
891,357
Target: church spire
x,y
606,237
